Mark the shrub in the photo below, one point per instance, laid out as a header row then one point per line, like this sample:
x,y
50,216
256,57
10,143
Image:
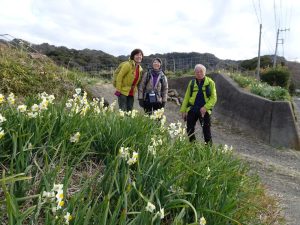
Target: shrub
x,y
262,89
279,76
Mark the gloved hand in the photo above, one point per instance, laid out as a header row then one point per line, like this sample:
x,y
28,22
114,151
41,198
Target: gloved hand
x,y
141,103
117,93
163,104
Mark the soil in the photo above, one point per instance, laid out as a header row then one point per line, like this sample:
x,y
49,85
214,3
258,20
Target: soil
x,y
278,168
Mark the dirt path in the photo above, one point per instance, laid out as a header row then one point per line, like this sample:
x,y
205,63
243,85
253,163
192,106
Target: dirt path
x,y
279,169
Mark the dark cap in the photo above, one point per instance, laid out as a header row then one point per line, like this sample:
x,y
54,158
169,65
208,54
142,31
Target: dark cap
x,y
136,51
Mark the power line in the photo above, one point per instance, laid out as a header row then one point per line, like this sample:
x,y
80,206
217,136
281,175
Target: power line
x,y
275,23
259,21
259,11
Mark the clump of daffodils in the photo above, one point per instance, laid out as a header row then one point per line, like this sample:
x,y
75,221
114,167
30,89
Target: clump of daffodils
x,y
151,208
155,142
2,99
157,114
125,154
35,109
2,119
11,99
121,113
161,213
68,218
46,100
132,113
176,130
79,103
226,149
22,108
75,137
202,221
57,195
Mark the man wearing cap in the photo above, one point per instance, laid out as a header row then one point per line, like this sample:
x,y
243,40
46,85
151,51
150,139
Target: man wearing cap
x,y
199,100
153,88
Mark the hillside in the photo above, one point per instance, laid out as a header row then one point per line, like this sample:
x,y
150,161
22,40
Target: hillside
x,y
25,73
96,61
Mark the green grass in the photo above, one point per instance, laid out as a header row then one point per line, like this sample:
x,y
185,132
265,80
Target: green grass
x,y
23,75
183,181
274,93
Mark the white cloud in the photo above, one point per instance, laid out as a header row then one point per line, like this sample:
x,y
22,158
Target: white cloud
x,y
227,29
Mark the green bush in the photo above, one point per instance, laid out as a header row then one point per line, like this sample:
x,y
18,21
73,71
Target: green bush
x,y
261,88
270,92
279,76
243,81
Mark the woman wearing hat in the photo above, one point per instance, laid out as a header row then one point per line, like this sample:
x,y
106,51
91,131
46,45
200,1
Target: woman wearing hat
x,y
153,88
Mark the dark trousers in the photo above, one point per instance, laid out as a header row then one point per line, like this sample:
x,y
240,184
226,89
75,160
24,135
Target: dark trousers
x,y
125,103
192,118
150,107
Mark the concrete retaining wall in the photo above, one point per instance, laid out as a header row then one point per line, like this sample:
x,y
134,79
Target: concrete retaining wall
x,y
272,122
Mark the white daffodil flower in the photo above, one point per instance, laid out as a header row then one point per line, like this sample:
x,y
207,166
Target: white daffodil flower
x,y
150,207
78,91
202,221
75,137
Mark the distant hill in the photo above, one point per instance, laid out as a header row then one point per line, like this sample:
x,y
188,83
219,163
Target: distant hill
x,y
96,60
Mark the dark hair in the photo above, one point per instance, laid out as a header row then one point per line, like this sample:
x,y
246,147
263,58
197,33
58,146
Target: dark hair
x,y
136,51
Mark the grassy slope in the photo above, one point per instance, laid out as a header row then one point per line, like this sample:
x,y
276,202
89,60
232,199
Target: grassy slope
x,y
24,75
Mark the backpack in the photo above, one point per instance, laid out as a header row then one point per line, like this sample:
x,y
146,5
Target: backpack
x,y
116,72
207,89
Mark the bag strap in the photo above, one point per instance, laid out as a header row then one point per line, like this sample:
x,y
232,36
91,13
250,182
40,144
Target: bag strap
x,y
207,88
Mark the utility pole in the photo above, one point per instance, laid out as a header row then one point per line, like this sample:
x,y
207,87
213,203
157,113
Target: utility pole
x,y
277,39
258,58
174,67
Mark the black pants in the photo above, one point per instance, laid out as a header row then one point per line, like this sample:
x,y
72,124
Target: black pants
x,y
150,107
192,118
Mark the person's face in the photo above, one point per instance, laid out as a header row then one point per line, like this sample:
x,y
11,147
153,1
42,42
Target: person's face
x,y
138,57
199,73
156,64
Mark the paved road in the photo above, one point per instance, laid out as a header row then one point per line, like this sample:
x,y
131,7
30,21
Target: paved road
x,y
297,103
297,109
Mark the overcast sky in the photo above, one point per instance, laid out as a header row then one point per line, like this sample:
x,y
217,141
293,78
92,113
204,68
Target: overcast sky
x,y
229,29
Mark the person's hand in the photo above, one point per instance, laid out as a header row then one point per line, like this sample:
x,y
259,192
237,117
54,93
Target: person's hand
x,y
163,104
184,116
203,111
117,93
141,103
